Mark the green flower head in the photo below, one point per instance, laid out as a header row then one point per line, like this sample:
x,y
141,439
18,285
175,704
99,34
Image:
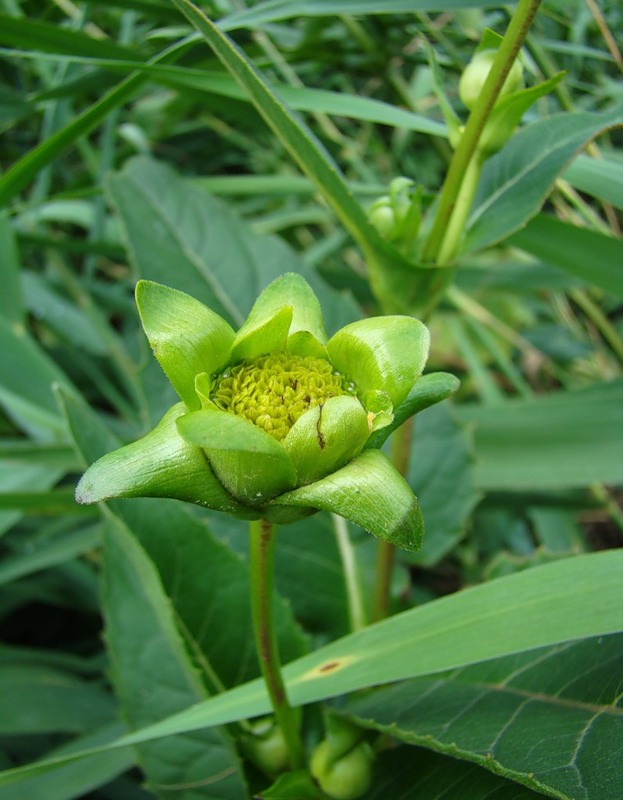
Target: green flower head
x,y
275,420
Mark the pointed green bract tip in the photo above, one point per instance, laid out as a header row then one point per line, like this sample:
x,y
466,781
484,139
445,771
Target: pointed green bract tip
x,y
185,335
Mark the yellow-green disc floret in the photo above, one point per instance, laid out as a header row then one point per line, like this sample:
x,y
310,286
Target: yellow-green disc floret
x,y
273,391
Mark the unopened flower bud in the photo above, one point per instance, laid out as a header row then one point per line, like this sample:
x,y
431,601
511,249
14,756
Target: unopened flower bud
x,y
346,777
266,747
476,73
274,419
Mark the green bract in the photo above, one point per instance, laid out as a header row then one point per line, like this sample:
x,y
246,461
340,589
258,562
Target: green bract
x,y
275,420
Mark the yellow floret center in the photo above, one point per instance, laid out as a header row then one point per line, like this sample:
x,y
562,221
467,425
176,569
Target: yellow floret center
x,y
273,391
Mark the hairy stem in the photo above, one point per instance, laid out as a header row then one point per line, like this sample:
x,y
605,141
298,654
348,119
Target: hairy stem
x,y
262,545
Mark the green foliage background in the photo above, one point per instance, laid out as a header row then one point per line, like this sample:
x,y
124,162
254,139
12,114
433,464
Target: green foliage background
x,y
129,149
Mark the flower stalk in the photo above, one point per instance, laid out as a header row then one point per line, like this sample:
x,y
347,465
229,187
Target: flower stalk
x,y
262,545
386,552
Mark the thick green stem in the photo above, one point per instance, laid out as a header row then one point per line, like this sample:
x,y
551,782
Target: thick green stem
x,y
385,557
468,144
385,554
262,545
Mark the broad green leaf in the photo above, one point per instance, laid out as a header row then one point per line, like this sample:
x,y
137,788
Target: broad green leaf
x,y
311,553
516,181
177,232
174,228
411,773
77,779
369,492
557,530
441,473
567,600
563,601
146,650
26,381
564,439
38,699
11,298
548,719
274,10
594,257
209,587
602,178
398,284
306,557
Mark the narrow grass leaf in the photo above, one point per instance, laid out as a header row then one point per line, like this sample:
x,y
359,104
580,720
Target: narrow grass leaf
x,y
564,439
274,10
26,33
11,297
19,175
49,552
602,178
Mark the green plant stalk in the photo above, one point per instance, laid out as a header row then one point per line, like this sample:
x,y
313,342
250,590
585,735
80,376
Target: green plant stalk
x,y
460,212
386,552
356,611
468,145
262,545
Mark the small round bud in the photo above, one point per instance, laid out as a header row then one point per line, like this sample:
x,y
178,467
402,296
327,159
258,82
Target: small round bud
x,y
382,216
346,777
476,72
266,748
